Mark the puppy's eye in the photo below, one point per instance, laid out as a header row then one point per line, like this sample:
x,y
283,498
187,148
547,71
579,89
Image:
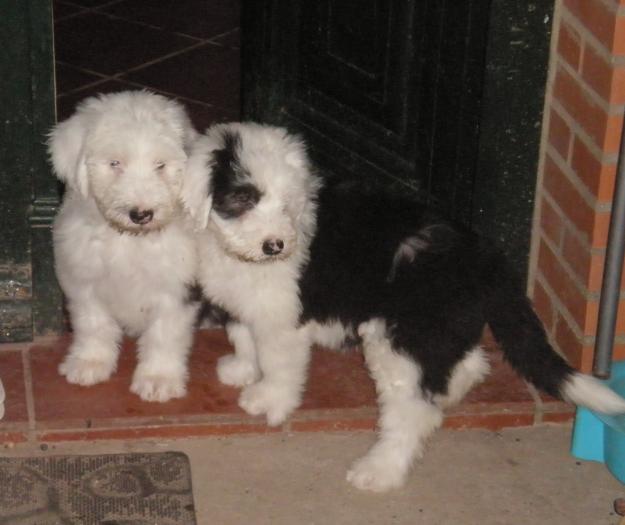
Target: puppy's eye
x,y
115,164
243,197
160,166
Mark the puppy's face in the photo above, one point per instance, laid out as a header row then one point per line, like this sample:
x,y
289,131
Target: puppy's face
x,y
256,200
126,152
134,177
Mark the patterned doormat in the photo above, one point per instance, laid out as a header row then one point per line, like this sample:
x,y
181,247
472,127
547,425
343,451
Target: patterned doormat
x,y
115,489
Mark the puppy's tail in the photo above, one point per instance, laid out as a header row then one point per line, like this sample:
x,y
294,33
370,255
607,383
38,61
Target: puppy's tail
x,y
523,340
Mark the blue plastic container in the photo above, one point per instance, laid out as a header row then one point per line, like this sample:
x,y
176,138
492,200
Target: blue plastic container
x,y
597,437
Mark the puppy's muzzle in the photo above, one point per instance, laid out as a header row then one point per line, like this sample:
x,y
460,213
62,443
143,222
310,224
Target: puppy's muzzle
x,y
141,216
273,246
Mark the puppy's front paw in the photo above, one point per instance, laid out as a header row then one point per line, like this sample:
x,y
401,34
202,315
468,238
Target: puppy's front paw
x,y
159,387
86,372
374,472
276,401
234,371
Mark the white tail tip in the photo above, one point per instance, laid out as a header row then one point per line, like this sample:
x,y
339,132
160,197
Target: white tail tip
x,y
591,393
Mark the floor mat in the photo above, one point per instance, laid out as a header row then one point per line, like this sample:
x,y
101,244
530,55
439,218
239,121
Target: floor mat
x,y
114,489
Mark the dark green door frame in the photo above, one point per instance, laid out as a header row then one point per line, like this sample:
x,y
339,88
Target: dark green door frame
x,y
30,300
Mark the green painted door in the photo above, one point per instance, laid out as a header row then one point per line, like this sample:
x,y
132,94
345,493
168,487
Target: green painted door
x,y
30,300
437,97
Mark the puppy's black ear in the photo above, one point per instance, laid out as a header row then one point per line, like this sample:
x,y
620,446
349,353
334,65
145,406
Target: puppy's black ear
x,y
195,196
66,149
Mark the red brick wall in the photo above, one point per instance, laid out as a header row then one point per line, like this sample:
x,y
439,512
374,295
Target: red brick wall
x,y
585,101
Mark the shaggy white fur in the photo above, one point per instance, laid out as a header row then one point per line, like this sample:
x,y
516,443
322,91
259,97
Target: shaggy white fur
x,y
124,255
406,418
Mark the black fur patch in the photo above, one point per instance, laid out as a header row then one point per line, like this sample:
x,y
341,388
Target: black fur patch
x,y
443,290
231,186
212,313
194,294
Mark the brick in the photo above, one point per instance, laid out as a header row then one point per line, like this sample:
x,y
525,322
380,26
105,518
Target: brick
x,y
619,349
559,417
604,129
569,45
614,128
599,177
607,80
564,287
593,224
586,355
620,319
568,197
544,306
595,273
599,19
619,36
569,344
559,134
551,223
577,255
592,317
600,230
600,267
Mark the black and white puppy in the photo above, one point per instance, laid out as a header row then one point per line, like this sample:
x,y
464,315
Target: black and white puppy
x,y
297,263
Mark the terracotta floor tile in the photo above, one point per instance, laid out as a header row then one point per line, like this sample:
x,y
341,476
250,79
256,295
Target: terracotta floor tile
x,y
338,380
156,432
503,384
12,375
60,404
489,421
338,383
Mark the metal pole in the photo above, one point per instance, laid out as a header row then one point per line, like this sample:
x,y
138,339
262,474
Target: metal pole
x,y
611,286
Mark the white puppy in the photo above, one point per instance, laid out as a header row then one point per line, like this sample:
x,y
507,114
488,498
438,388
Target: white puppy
x,y
124,255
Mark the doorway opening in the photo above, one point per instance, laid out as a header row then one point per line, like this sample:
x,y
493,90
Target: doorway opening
x,y
188,50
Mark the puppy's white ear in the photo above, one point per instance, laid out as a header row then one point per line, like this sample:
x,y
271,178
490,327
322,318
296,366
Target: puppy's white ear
x,y
195,194
66,148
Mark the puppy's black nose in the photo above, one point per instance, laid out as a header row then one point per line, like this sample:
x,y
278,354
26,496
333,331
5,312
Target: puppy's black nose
x,y
273,246
141,216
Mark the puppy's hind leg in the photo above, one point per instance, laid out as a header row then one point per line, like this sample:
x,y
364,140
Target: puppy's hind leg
x,y
241,367
406,418
163,349
92,356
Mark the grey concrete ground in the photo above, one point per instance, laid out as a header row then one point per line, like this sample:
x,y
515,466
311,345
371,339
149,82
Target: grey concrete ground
x,y
518,476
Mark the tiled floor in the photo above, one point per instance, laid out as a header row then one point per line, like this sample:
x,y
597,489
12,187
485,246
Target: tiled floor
x,y
190,50
42,406
186,49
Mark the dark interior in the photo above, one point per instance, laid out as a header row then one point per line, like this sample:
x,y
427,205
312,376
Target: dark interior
x,y
186,49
